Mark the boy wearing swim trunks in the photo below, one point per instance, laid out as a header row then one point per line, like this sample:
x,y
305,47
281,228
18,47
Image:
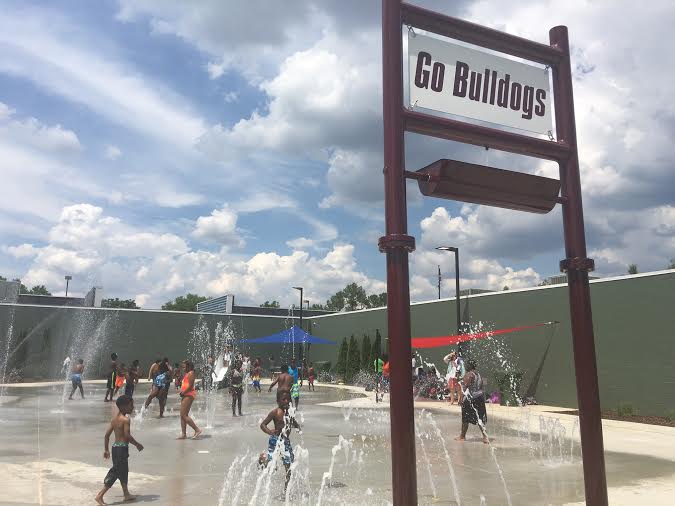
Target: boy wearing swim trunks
x,y
280,436
121,426
76,378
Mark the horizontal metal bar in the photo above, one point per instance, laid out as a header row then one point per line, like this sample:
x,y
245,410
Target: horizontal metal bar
x,y
417,175
480,35
469,133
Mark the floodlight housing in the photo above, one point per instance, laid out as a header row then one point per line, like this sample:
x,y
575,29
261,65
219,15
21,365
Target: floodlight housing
x,y
480,184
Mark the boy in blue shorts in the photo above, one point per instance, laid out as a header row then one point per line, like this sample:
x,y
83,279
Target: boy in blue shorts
x,y
280,436
76,378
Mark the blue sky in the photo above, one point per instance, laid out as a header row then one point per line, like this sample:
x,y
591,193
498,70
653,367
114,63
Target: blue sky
x,y
157,148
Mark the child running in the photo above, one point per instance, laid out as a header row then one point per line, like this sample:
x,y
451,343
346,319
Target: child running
x,y
112,376
76,378
121,426
280,436
187,397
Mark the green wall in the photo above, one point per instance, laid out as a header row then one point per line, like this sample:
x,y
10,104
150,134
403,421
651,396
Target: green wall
x,y
634,318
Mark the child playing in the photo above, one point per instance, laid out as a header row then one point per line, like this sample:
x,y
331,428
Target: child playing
x,y
310,377
121,378
177,375
76,378
112,376
133,373
283,424
257,373
121,425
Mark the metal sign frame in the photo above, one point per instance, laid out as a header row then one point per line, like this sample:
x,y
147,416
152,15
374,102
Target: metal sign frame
x,y
397,244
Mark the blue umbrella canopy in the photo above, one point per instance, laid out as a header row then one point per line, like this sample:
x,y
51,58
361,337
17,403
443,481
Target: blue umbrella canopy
x,y
293,335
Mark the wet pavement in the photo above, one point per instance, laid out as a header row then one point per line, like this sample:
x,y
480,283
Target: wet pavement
x,y
51,453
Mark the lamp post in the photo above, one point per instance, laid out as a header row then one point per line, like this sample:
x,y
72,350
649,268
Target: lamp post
x,y
439,281
301,303
459,316
68,278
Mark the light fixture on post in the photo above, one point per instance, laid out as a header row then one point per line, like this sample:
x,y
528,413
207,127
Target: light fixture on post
x,y
459,316
67,278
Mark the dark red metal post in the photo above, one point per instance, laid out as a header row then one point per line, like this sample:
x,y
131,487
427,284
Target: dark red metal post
x,y
577,266
397,244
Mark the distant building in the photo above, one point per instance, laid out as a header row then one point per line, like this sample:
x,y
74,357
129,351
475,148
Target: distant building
x,y
559,279
225,305
10,293
222,304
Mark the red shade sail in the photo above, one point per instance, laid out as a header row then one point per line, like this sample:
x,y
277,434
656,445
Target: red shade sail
x,y
435,342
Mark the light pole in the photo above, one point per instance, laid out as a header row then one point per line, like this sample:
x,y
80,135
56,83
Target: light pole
x,y
301,303
439,281
68,278
459,317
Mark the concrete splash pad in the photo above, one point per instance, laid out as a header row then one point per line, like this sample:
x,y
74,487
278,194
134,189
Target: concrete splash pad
x,y
52,454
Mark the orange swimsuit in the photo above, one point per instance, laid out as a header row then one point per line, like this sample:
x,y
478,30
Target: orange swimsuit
x,y
185,384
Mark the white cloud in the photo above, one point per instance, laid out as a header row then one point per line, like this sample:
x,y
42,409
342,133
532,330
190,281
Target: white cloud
x,y
33,48
112,152
231,97
129,261
220,227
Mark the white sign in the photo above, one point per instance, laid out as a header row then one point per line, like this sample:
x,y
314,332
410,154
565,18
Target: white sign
x,y
458,80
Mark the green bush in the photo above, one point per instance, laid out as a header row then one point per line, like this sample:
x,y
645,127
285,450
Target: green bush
x,y
376,350
509,387
625,409
353,360
341,366
671,415
366,361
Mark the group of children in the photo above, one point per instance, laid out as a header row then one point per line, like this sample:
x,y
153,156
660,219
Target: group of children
x,y
160,374
120,376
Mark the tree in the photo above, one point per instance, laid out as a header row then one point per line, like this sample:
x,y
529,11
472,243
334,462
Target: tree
x,y
341,366
39,290
267,303
632,269
671,265
318,307
353,360
505,288
379,300
365,353
2,278
120,303
184,303
376,350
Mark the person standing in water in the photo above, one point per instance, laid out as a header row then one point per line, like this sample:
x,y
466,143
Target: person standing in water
x,y
159,386
76,378
187,397
473,406
121,426
111,379
280,436
256,374
236,387
284,381
121,378
310,377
